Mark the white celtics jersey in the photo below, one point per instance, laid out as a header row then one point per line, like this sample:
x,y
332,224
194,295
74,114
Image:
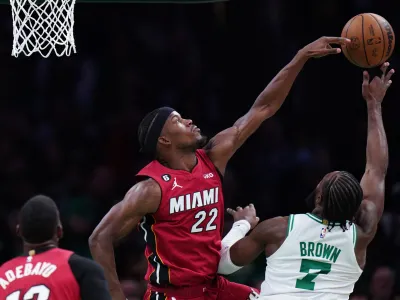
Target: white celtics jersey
x,y
312,263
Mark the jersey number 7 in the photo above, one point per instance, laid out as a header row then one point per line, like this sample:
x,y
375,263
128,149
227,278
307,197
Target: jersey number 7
x,y
306,283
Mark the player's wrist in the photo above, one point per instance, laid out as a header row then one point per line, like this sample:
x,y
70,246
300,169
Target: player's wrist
x,y
302,55
243,225
373,105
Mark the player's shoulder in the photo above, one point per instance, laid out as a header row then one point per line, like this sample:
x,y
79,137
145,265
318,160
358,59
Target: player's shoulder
x,y
81,265
148,188
274,228
367,218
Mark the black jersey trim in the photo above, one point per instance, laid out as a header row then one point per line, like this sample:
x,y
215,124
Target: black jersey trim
x,y
161,273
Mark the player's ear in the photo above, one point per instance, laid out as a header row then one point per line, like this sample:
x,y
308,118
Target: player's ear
x,y
318,199
17,230
60,232
164,140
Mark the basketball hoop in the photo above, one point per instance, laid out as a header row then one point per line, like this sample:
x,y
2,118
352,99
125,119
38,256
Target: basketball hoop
x,y
44,26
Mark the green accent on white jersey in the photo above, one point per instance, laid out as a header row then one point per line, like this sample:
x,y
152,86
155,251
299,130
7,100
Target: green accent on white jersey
x,y
312,263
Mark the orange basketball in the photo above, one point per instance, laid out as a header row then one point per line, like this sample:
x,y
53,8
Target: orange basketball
x,y
372,40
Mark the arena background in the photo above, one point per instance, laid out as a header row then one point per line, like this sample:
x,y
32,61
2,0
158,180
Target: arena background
x,y
68,125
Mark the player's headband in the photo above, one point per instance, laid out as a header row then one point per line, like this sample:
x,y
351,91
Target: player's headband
x,y
154,130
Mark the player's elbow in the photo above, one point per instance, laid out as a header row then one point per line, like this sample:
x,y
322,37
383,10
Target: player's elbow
x,y
97,238
378,172
93,240
226,266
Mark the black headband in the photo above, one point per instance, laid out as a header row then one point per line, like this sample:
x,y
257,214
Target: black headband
x,y
154,130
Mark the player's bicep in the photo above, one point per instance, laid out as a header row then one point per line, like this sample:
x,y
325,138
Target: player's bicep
x,y
373,186
141,199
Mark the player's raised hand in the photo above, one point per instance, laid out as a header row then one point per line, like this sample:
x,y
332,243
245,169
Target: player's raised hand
x,y
376,89
248,213
323,46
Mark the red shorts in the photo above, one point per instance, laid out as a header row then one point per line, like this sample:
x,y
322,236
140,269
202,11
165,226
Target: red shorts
x,y
220,289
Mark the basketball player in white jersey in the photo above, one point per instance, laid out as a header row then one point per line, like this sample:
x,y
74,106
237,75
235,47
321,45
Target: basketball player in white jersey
x,y
320,255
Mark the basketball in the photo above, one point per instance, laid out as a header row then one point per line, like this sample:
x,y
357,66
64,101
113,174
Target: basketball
x,y
372,40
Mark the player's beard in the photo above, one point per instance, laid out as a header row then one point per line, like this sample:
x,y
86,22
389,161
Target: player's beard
x,y
198,144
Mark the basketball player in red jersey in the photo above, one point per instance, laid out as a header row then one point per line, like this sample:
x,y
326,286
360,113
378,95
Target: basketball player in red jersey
x,y
178,200
44,271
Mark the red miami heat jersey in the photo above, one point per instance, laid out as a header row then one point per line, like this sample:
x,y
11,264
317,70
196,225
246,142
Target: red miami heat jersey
x,y
183,238
44,276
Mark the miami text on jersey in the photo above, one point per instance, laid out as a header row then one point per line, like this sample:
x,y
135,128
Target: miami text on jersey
x,y
193,200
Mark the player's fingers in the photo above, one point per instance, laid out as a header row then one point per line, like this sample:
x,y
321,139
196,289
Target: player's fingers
x,y
337,40
384,69
365,78
239,208
388,84
389,75
330,51
230,211
258,219
251,206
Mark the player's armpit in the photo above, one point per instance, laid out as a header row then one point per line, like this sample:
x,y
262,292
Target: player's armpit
x,y
221,148
141,199
90,277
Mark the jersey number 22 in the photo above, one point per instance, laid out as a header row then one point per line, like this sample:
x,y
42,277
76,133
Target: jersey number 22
x,y
201,216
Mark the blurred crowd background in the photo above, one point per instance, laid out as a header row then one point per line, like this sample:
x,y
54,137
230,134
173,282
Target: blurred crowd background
x,y
68,126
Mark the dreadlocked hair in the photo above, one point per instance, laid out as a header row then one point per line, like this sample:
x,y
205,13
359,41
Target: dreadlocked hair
x,y
342,196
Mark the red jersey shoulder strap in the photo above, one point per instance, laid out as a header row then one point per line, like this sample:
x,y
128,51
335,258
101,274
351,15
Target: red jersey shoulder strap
x,y
202,154
155,171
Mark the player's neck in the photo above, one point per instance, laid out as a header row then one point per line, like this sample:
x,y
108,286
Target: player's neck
x,y
180,161
317,211
29,247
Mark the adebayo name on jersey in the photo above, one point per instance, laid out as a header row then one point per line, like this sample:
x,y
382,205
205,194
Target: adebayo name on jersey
x,y
193,200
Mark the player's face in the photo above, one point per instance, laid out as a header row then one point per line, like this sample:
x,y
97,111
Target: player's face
x,y
182,133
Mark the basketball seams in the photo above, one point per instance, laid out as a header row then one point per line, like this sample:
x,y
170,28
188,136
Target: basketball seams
x,y
383,38
363,39
347,50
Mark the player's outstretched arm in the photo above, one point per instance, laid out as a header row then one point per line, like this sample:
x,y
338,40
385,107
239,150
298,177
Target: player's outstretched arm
x,y
373,180
247,249
141,199
223,145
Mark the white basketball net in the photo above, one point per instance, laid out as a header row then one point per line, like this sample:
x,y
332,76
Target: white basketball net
x,y
43,26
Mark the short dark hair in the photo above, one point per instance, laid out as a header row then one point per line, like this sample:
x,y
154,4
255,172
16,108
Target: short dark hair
x,y
341,197
38,219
